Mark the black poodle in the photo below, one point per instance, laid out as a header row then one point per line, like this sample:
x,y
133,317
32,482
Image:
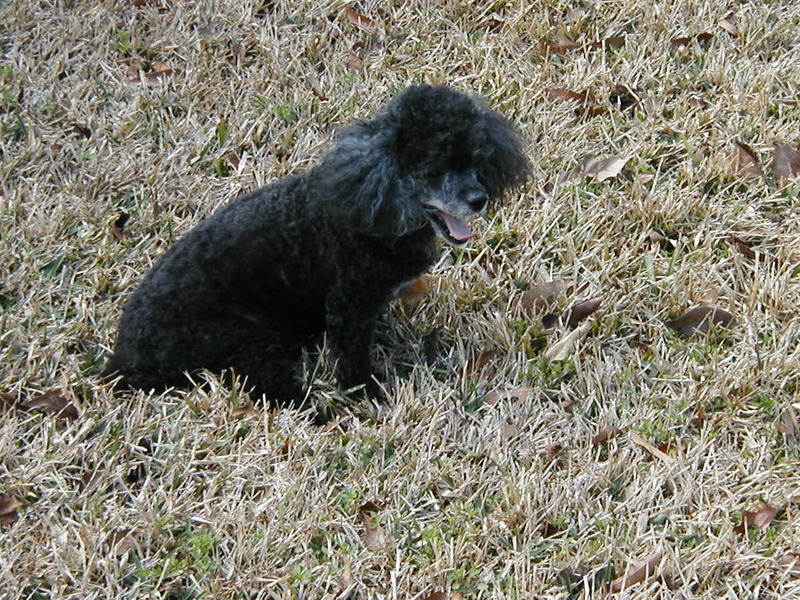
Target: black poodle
x,y
322,251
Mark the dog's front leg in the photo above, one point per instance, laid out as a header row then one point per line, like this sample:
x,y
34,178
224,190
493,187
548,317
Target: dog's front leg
x,y
351,327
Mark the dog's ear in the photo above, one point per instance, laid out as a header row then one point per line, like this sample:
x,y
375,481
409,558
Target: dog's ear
x,y
360,175
501,161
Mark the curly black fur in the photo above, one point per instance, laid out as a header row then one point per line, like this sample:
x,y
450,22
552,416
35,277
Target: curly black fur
x,y
322,251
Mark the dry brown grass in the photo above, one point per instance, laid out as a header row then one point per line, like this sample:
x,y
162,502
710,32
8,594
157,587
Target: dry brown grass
x,y
486,477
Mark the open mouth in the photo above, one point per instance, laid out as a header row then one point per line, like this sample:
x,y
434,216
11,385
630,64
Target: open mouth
x,y
451,228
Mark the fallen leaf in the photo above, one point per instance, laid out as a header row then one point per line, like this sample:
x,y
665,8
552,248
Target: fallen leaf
x,y
580,310
640,441
246,410
728,23
615,41
478,363
346,581
415,292
8,401
563,94
8,510
118,226
123,541
536,296
603,168
637,572
438,596
791,560
785,162
52,402
566,346
744,160
316,87
761,517
701,38
360,21
352,63
605,434
375,538
522,392
742,246
561,44
700,319
790,424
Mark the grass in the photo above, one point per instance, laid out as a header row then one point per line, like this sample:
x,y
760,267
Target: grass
x,y
641,443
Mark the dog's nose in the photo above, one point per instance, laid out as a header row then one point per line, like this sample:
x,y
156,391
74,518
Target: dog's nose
x,y
477,199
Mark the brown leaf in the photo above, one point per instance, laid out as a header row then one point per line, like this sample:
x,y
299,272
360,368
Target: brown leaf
x,y
52,402
8,510
360,21
561,44
246,410
438,596
522,392
637,572
563,94
785,162
742,246
744,161
580,310
698,320
790,424
536,296
478,363
316,87
8,401
346,581
655,452
791,560
123,541
605,434
728,23
375,538
761,517
118,226
615,41
352,63
603,168
702,38
415,292
567,345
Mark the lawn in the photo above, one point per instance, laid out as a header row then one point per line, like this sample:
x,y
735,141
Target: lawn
x,y
597,397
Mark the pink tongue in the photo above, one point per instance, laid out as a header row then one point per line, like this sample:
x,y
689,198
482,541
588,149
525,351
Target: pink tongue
x,y
458,228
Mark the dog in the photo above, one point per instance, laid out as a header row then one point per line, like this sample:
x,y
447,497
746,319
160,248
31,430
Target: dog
x,y
322,251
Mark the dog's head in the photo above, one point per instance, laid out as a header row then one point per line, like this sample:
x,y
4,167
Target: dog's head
x,y
431,156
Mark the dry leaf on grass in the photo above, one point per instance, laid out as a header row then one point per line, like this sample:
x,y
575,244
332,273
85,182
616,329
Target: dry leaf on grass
x,y
360,21
785,162
685,41
698,320
561,44
123,541
728,23
790,424
52,402
760,518
567,345
522,392
316,87
8,401
537,295
8,510
375,538
742,246
744,161
605,434
246,410
603,168
637,572
346,581
640,441
791,560
580,310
